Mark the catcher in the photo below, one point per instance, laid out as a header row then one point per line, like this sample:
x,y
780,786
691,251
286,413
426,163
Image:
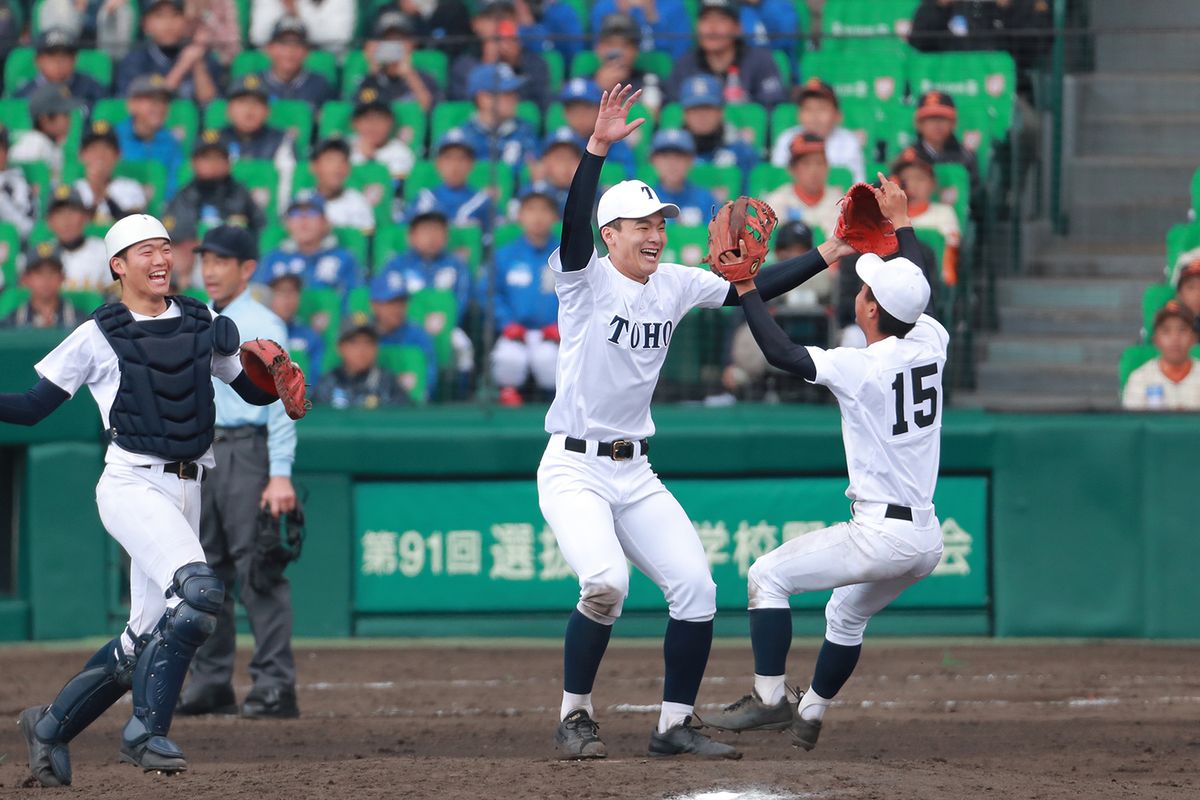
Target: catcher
x,y
890,395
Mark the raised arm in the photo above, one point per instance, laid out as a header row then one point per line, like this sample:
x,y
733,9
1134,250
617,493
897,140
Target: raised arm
x,y
33,406
894,205
780,278
780,351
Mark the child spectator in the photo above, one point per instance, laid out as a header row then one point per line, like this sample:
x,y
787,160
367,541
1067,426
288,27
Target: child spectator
x,y
248,135
310,251
665,24
55,61
188,69
50,106
1170,382
302,338
704,119
332,21
809,197
552,174
84,264
618,43
286,78
672,154
494,129
915,176
1187,281
358,381
391,74
745,72
17,203
389,305
525,307
108,198
499,45
43,278
345,207
214,196
936,119
374,136
580,99
818,113
142,135
453,197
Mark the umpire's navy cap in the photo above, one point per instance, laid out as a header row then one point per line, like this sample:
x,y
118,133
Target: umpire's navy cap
x,y
230,242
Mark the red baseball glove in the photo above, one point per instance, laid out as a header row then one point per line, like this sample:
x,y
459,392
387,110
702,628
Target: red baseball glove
x,y
271,369
862,225
739,238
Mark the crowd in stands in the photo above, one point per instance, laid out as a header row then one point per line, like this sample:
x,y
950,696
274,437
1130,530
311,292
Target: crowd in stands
x,y
404,164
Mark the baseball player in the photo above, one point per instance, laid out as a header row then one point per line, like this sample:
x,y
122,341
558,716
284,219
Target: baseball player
x,y
596,488
147,361
890,394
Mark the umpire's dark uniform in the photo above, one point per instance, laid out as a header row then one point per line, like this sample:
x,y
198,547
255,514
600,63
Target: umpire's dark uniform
x,y
252,445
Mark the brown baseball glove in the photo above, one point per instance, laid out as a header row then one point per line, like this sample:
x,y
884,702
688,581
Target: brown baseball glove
x,y
739,238
271,369
862,225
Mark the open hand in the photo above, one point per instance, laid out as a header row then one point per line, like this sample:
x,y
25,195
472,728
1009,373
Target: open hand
x,y
610,122
893,202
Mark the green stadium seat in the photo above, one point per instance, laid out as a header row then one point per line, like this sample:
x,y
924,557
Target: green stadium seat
x,y
249,62
556,68
529,111
783,63
12,298
447,115
937,244
750,120
85,301
1154,297
262,179
321,309
845,21
389,240
19,69
505,233
408,363
37,174
15,113
358,300
954,189
984,79
686,244
412,123
375,182
270,237
353,240
865,85
433,62
436,310
10,248
295,116
335,119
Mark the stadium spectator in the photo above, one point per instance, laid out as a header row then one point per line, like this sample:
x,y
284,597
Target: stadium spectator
x,y
310,251
618,43
109,24
374,136
454,197
50,107
43,278
221,25
819,113
391,73
1012,25
214,197
389,305
550,25
332,22
18,205
84,263
499,45
359,381
55,62
286,290
771,23
915,176
746,73
445,24
248,134
1170,382
525,306
672,154
665,24
428,262
286,78
552,173
495,129
580,100
107,198
936,118
188,68
704,119
1187,281
809,197
143,135
185,238
345,207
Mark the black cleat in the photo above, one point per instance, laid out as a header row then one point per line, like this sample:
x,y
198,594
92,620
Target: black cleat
x,y
274,703
210,699
155,754
685,739
805,732
750,714
578,737
50,764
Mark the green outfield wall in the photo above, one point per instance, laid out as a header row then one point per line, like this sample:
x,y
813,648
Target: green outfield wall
x,y
425,521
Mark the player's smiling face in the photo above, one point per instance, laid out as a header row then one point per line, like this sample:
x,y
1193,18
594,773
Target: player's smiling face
x,y
145,269
635,245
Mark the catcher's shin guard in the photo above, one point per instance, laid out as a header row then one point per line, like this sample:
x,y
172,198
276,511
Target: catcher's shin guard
x,y
163,665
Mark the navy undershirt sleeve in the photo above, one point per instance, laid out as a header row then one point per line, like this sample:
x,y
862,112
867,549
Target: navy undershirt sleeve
x,y
249,391
33,406
779,279
577,240
910,247
780,351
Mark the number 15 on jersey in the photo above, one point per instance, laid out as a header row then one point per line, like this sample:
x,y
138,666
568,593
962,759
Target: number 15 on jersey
x,y
916,397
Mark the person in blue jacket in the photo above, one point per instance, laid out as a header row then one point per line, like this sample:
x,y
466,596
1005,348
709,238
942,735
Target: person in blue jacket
x,y
286,290
389,305
428,262
495,130
704,118
311,251
454,197
672,154
580,100
665,24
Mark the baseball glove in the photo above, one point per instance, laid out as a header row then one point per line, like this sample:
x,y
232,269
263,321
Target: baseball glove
x,y
271,369
739,237
862,225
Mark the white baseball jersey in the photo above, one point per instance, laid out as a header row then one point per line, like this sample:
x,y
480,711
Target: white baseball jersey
x,y
615,333
890,395
85,358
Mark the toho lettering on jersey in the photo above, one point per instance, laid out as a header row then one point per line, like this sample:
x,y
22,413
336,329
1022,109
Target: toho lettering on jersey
x,y
640,335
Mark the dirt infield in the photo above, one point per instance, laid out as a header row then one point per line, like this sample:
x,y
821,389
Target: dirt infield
x,y
941,720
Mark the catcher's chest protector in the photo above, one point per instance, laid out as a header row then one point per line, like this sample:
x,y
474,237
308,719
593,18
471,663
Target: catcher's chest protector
x,y
164,405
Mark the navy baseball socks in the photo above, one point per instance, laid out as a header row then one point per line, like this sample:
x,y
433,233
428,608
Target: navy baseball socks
x,y
583,650
770,638
685,655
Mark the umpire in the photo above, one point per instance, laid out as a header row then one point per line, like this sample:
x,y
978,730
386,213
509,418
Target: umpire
x,y
254,448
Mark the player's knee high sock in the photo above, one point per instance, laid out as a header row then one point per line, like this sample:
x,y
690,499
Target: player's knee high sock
x,y
835,664
583,649
685,652
770,638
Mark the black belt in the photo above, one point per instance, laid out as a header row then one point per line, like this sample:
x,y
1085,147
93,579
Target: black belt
x,y
898,512
185,470
619,450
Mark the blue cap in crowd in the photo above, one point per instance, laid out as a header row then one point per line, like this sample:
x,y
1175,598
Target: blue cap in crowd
x,y
559,136
673,140
580,90
701,90
387,286
455,137
493,78
307,198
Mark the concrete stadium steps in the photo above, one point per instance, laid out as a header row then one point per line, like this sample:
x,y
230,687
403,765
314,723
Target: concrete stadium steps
x,y
1094,260
1124,28
1103,294
1168,135
1128,179
1137,93
1069,386
1053,350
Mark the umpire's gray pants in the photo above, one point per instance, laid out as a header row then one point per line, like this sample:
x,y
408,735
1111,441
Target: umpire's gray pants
x,y
229,510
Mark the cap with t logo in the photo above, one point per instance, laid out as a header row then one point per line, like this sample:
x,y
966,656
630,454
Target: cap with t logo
x,y
631,200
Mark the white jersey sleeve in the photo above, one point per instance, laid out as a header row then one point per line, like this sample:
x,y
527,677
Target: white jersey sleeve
x,y
574,287
843,370
73,363
702,289
929,331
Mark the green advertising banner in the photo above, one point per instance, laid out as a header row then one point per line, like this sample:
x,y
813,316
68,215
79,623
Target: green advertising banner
x,y
476,546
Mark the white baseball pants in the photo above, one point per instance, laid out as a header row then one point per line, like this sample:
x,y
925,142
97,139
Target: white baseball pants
x,y
868,562
513,362
605,513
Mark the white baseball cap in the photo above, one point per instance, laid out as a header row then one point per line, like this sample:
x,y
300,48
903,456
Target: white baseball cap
x,y
898,285
130,230
631,200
